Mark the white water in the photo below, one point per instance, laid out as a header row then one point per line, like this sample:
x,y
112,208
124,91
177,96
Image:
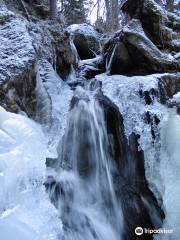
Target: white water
x,y
87,203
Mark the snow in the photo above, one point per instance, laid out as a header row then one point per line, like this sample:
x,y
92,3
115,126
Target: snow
x,y
53,99
124,92
91,61
25,209
176,96
83,29
12,229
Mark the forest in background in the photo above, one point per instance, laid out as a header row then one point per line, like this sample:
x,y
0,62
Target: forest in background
x,y
106,15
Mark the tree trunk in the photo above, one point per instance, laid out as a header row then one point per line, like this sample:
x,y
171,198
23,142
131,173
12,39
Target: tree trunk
x,y
53,9
170,5
115,14
112,11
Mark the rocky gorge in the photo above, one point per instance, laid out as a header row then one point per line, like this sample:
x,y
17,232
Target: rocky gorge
x,y
89,125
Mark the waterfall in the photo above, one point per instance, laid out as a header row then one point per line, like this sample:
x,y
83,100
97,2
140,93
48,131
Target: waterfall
x,y
84,191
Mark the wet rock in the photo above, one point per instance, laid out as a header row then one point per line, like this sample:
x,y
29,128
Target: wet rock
x,y
86,40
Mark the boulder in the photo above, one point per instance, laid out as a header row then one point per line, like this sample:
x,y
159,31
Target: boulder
x,y
160,25
132,52
53,44
86,40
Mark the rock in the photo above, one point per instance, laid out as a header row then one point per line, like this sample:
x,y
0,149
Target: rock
x,y
169,85
120,60
17,65
53,44
89,68
135,37
159,25
22,42
135,53
86,40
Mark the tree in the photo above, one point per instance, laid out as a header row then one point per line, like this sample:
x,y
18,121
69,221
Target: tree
x,y
112,15
170,5
53,9
74,11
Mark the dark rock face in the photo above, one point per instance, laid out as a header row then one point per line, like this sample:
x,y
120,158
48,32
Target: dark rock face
x,y
85,39
148,43
139,205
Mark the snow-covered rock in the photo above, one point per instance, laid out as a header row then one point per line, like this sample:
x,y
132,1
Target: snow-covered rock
x,y
159,23
131,51
16,50
86,40
53,44
84,29
158,128
17,63
22,43
88,68
136,98
25,209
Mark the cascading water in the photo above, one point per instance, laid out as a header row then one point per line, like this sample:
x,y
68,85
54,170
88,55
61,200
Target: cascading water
x,y
84,191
